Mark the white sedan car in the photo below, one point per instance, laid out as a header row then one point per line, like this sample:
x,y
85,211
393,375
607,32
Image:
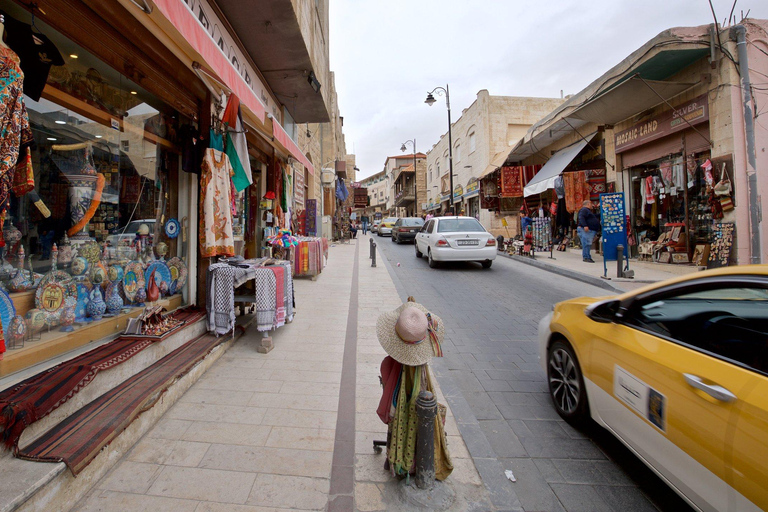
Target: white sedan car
x,y
455,239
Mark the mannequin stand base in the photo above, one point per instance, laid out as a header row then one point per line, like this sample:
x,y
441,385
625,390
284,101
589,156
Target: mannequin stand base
x,y
265,345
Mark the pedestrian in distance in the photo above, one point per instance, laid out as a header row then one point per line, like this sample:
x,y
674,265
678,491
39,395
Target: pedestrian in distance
x,y
588,226
365,221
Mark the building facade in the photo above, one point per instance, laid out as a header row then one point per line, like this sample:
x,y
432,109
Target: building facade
x,y
487,128
400,181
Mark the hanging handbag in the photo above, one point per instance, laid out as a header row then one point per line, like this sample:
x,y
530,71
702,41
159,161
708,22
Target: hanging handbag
x,y
24,176
726,203
723,187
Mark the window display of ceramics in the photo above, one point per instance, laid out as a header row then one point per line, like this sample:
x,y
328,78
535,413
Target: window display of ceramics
x,y
161,250
90,251
7,310
172,228
35,320
66,252
68,315
179,272
52,293
98,274
133,279
16,331
162,275
141,294
84,288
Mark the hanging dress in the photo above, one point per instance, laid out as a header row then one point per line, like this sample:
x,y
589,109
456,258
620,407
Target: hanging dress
x,y
216,237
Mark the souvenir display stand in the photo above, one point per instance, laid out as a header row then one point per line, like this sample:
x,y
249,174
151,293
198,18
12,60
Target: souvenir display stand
x,y
614,226
307,258
271,295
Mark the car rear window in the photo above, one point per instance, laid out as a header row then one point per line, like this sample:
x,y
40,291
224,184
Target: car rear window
x,y
453,225
412,222
390,220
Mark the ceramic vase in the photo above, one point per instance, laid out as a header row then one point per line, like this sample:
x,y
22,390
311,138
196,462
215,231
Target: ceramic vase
x,y
83,293
96,306
114,301
141,294
16,331
35,320
68,315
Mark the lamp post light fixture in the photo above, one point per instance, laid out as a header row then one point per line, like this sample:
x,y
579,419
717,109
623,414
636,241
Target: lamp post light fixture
x,y
431,101
415,175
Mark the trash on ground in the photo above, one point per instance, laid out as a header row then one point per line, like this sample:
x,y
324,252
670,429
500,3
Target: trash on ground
x,y
510,475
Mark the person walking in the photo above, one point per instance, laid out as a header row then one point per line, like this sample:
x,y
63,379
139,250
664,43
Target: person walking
x,y
588,226
365,220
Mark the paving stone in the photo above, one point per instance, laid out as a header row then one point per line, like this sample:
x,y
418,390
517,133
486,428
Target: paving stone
x,y
301,438
203,484
502,439
580,498
298,418
124,501
279,461
133,477
532,487
368,497
289,492
227,433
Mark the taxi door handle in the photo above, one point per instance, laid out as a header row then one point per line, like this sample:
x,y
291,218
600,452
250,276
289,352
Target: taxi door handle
x,y
713,390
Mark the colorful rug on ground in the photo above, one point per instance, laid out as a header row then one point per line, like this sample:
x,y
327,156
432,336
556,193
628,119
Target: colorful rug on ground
x,y
39,395
77,440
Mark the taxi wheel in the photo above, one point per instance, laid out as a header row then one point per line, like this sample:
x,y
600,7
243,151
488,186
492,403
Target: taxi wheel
x,y
566,385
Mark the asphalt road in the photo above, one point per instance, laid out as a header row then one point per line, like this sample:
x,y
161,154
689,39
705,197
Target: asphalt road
x,y
492,379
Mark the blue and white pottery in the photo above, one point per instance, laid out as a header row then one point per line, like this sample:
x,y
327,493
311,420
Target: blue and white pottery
x,y
114,301
96,306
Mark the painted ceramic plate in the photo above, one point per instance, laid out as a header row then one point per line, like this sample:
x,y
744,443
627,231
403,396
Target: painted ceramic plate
x,y
178,272
52,293
7,309
162,275
99,274
132,279
172,228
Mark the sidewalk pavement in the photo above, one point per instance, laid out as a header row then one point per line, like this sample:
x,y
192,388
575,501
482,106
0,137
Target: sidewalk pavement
x,y
569,263
287,430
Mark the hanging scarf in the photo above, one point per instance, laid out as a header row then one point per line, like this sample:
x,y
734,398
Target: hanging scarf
x,y
432,334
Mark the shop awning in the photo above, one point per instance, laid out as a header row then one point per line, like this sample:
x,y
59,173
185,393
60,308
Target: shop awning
x,y
291,147
627,99
496,162
545,179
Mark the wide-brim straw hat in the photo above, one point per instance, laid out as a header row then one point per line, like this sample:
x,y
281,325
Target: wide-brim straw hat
x,y
410,354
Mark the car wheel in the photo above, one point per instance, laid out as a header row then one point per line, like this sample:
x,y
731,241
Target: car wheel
x,y
418,252
432,262
566,384
394,239
486,263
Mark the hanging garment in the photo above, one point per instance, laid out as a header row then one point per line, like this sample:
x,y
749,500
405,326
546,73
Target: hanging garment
x,y
650,196
576,190
559,187
563,219
390,378
14,123
216,141
596,184
237,147
666,173
678,176
216,237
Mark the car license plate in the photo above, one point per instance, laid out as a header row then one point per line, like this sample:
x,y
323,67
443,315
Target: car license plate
x,y
466,242
414,231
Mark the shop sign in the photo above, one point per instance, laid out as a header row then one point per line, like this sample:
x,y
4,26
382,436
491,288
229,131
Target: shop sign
x,y
298,188
311,208
473,186
444,185
203,14
691,113
361,197
458,191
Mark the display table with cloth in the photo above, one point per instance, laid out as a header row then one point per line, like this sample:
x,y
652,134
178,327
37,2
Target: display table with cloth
x,y
271,297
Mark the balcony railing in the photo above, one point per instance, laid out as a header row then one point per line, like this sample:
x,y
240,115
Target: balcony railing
x,y
404,197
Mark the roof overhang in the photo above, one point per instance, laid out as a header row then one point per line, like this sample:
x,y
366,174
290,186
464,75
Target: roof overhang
x,y
271,34
660,58
627,99
496,162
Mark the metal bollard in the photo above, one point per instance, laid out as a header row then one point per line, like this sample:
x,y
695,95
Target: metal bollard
x,y
426,410
619,261
373,254
370,256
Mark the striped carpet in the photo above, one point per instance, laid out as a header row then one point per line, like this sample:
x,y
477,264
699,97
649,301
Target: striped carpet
x,y
39,395
78,439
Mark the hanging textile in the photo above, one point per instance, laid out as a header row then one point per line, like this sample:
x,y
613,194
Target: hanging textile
x,y
678,176
489,193
216,141
596,183
511,182
559,187
576,190
237,146
666,173
216,237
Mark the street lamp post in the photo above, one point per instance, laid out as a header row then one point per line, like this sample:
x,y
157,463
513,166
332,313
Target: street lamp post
x,y
431,101
415,176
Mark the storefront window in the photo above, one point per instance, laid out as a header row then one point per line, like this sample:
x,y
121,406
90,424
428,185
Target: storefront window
x,y
93,209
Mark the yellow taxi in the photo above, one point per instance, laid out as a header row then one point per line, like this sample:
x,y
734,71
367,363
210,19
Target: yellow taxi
x,y
677,371
385,228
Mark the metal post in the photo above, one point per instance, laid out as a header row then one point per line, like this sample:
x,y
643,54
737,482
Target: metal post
x,y
415,181
426,409
450,148
373,254
755,214
619,260
370,256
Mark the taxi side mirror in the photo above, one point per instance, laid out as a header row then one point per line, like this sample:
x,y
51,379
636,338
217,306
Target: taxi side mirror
x,y
604,311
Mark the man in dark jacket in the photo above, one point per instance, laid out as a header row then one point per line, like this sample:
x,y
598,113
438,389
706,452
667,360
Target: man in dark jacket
x,y
588,226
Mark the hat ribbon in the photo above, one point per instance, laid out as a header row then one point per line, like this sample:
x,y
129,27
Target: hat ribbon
x,y
432,334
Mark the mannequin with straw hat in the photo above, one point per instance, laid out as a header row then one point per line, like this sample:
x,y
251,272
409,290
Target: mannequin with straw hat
x,y
411,335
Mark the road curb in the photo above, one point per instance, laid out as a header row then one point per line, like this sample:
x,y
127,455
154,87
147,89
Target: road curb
x,y
578,276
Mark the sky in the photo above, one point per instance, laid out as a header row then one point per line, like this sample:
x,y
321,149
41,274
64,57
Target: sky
x,y
387,54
